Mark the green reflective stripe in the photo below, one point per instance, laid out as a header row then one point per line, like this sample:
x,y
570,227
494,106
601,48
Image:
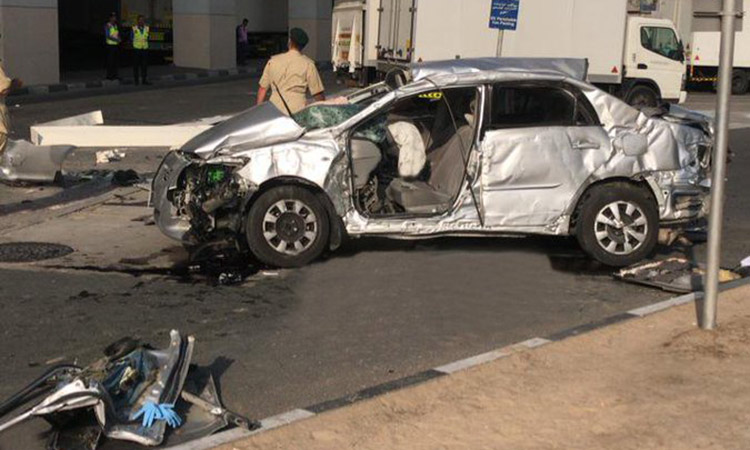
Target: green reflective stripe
x,y
140,38
113,33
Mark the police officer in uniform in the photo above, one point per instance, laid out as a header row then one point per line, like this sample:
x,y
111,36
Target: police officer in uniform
x,y
291,75
6,84
112,39
141,34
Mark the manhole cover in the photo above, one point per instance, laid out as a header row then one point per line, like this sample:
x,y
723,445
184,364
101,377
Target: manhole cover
x,y
17,252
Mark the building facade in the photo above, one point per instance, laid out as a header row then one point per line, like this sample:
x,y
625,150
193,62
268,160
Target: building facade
x,y
39,39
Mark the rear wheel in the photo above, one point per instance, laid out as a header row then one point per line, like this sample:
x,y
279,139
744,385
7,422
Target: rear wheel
x,y
287,227
740,82
643,97
618,224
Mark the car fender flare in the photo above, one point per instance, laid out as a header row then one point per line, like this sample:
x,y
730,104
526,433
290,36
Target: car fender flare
x,y
338,230
642,182
630,83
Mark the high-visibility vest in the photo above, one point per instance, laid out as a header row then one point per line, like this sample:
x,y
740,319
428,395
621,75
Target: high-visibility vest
x,y
140,38
113,34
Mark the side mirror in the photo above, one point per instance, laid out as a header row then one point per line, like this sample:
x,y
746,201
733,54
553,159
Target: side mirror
x,y
632,144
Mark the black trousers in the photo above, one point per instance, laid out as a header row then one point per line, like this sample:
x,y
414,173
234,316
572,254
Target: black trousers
x,y
112,61
140,66
242,49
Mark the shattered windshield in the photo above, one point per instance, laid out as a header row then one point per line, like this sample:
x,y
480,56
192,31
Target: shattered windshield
x,y
316,117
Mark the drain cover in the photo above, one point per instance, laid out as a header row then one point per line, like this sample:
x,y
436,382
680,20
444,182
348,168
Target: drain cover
x,y
17,252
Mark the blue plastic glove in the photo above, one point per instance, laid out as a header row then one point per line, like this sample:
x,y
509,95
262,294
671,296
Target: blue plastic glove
x,y
169,415
152,412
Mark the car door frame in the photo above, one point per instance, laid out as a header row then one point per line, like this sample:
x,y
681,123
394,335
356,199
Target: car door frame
x,y
499,220
462,215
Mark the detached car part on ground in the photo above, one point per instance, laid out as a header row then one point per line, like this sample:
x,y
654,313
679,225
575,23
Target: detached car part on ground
x,y
482,147
133,393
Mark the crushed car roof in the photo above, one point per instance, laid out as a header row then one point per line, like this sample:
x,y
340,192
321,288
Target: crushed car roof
x,y
568,67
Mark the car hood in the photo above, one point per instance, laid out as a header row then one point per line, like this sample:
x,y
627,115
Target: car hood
x,y
256,127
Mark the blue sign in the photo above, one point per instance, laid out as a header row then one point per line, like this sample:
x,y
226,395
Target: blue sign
x,y
504,15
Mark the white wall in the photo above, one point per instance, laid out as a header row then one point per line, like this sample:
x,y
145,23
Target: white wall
x,y
27,27
313,16
204,33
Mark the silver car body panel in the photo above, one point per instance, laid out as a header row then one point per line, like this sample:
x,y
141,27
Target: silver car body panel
x,y
516,194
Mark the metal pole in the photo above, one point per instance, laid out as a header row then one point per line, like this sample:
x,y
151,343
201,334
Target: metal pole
x,y
708,316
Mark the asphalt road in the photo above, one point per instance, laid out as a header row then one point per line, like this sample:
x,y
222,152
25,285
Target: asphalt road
x,y
375,311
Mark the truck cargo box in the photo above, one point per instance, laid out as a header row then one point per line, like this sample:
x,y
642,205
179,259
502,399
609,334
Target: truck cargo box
x,y
592,29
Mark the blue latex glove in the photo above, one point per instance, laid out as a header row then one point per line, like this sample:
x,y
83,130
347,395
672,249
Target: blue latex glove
x,y
152,412
169,415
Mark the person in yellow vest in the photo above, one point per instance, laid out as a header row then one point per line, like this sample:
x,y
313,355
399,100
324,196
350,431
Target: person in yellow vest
x,y
291,75
6,85
141,34
112,39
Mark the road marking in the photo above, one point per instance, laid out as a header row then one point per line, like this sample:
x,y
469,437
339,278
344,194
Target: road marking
x,y
533,343
473,361
236,434
661,306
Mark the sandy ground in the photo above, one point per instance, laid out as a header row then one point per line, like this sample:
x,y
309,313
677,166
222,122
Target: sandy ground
x,y
657,382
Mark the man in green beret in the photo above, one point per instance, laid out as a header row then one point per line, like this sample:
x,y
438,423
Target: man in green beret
x,y
290,76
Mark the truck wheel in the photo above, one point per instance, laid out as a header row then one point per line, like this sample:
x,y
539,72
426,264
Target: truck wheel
x,y
642,97
740,82
287,227
617,224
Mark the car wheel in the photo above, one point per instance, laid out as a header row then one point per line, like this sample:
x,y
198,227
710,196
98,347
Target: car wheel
x,y
740,82
617,224
287,227
643,97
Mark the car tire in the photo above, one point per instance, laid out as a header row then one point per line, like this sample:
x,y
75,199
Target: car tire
x,y
287,226
642,96
617,224
740,82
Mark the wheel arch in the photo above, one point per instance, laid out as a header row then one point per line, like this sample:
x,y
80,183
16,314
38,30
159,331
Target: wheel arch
x,y
337,229
575,208
633,83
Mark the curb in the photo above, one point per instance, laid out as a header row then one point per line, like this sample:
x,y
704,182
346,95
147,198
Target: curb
x,y
91,86
299,414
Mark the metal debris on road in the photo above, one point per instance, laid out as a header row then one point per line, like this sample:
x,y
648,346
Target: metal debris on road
x,y
133,393
678,275
23,161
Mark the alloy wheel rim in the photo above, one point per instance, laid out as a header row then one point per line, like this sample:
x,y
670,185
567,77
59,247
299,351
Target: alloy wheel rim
x,y
290,227
621,228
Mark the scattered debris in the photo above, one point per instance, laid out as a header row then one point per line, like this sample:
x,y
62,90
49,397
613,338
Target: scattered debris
x,y
107,156
131,394
125,178
23,161
673,275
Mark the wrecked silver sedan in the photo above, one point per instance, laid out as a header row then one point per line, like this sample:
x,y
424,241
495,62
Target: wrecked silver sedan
x,y
481,147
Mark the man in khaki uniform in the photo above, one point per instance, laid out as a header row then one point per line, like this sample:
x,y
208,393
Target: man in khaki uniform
x,y
6,84
292,75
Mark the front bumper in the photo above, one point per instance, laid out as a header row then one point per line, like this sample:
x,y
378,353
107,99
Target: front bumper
x,y
170,221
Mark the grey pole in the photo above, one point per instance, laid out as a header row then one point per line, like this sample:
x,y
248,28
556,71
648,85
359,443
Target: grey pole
x,y
716,216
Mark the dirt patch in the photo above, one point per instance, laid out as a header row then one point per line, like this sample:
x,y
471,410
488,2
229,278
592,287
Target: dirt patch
x,y
656,382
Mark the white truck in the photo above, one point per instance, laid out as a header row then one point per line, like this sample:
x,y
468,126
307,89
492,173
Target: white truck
x,y
703,58
638,58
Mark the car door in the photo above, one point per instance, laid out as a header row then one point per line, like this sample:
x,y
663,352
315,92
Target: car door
x,y
541,141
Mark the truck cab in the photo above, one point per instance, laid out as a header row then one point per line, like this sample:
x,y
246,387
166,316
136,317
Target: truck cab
x,y
654,63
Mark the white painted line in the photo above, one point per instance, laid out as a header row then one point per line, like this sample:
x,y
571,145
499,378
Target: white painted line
x,y
235,434
214,440
285,418
532,343
473,361
661,306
